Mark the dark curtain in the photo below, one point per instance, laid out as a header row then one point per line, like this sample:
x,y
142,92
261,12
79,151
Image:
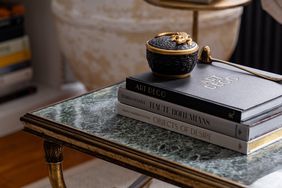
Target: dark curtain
x,y
260,40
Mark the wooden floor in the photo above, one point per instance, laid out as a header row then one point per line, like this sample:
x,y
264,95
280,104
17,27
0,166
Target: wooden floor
x,y
22,160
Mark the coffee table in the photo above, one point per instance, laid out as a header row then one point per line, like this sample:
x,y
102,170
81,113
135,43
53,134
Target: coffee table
x,y
89,123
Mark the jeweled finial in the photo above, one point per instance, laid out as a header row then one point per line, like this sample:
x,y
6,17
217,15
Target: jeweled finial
x,y
178,37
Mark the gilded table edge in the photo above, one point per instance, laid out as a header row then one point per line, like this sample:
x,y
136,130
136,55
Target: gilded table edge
x,y
122,155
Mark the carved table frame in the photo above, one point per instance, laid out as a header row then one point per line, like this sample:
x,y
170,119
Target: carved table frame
x,y
56,136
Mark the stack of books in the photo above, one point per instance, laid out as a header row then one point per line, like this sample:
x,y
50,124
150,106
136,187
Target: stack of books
x,y
15,56
218,104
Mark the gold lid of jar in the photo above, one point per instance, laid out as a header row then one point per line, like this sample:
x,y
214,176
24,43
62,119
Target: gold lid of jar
x,y
172,43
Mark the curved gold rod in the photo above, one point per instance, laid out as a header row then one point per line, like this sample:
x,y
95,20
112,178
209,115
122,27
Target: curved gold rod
x,y
206,58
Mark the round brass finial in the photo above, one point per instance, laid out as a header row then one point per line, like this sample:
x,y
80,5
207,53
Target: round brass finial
x,y
205,55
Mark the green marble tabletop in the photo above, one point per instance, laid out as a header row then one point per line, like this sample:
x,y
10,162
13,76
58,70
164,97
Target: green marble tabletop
x,y
95,114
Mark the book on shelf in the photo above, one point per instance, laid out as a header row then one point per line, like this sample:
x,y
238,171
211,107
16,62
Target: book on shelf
x,y
215,89
247,130
245,147
14,45
17,57
15,67
13,87
11,14
16,77
11,20
17,91
11,32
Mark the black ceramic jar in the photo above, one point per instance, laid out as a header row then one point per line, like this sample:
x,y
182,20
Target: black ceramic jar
x,y
172,54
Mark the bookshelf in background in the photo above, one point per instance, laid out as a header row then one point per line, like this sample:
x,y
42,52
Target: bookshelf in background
x,y
15,55
48,70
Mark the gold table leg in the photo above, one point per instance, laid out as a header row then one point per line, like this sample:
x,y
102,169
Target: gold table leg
x,y
54,158
195,25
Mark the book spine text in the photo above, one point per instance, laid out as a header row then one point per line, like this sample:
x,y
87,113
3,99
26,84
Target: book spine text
x,y
178,112
183,128
183,100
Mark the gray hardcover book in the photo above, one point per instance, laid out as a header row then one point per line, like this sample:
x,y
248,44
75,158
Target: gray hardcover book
x,y
206,135
245,131
216,89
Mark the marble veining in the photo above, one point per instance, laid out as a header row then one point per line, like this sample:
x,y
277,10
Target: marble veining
x,y
95,113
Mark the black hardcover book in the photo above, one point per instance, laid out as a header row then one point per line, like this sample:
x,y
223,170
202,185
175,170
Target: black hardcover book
x,y
18,93
11,32
215,89
14,20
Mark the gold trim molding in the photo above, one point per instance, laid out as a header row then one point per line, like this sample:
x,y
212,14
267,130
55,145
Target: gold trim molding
x,y
171,52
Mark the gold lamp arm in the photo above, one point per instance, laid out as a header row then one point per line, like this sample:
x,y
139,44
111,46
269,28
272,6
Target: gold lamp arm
x,y
206,58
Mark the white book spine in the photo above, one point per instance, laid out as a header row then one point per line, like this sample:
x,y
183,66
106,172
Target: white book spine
x,y
15,45
15,77
183,128
181,113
